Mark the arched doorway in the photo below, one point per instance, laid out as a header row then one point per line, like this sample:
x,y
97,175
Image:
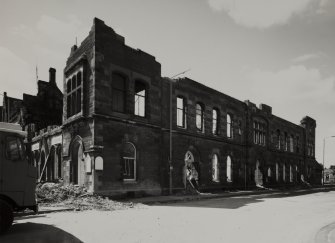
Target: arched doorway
x,y
258,175
77,169
191,170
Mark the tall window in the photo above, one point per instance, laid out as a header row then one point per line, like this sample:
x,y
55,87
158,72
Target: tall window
x,y
259,133
181,112
284,173
229,169
291,174
269,172
73,90
140,99
199,118
118,93
285,141
298,145
277,172
129,162
215,122
215,168
291,143
229,126
278,139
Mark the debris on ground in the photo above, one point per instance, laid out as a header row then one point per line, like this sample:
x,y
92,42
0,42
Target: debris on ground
x,y
76,197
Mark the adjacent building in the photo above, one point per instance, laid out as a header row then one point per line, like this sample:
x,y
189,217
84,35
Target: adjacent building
x,y
117,137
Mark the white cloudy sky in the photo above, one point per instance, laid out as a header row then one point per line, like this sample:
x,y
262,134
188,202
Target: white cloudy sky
x,y
277,52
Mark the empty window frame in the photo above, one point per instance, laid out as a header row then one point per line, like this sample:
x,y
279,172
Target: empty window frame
x,y
259,133
284,173
298,145
118,92
269,172
229,126
215,121
181,112
291,143
285,142
199,117
291,174
215,168
73,91
129,162
278,139
140,99
277,172
229,169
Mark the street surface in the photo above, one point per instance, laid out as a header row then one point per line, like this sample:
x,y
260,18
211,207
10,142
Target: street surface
x,y
263,218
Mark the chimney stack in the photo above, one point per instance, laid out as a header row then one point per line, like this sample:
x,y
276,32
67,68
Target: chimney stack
x,y
52,76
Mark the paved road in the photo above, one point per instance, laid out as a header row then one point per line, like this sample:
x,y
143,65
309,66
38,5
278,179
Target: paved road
x,y
304,218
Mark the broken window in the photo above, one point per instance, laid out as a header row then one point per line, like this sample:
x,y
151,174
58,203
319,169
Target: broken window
x,y
140,99
215,121
118,92
215,168
229,169
199,119
73,89
181,112
229,126
129,162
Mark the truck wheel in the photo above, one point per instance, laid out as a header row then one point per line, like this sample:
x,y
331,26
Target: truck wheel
x,y
6,216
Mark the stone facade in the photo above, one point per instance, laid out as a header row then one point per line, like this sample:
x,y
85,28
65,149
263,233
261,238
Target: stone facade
x,y
116,129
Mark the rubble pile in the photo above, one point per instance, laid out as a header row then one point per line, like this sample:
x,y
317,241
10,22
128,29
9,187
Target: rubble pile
x,y
57,194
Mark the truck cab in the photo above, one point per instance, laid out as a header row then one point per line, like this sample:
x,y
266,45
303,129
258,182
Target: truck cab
x,y
17,176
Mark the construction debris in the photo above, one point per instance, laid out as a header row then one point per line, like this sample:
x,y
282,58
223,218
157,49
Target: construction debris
x,y
76,197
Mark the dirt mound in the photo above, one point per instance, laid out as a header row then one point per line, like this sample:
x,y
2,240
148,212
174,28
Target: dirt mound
x,y
55,194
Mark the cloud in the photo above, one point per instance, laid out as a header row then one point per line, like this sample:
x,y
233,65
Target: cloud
x,y
15,74
61,31
294,84
308,57
263,14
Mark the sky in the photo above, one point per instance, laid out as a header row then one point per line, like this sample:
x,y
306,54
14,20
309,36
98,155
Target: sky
x,y
276,52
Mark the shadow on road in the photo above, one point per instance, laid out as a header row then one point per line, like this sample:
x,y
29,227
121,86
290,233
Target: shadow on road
x,y
238,201
37,233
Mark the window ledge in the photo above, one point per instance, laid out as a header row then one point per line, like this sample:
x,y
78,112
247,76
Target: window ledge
x,y
130,181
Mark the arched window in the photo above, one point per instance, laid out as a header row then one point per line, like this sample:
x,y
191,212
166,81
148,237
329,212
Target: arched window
x,y
199,119
229,169
269,172
229,126
215,168
140,99
129,162
181,112
215,121
277,172
118,92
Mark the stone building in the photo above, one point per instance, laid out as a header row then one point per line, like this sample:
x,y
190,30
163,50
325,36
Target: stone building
x,y
115,135
44,109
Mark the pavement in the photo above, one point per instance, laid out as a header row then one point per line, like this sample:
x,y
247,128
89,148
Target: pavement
x,y
153,200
